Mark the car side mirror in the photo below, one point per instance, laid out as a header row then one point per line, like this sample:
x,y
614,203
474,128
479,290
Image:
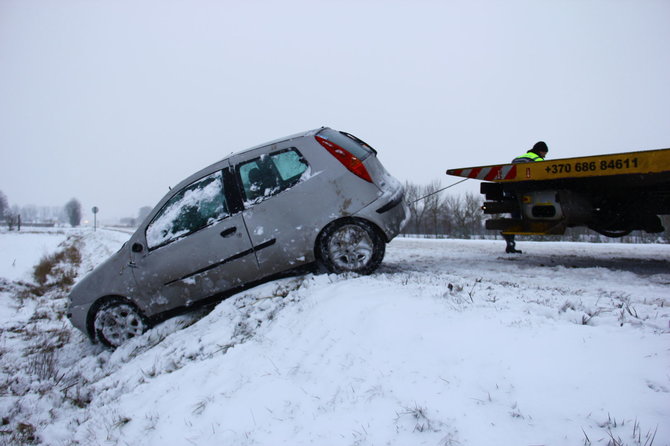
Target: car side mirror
x,y
137,247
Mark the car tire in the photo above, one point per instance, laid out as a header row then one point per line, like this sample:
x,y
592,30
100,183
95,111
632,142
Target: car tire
x,y
351,245
117,321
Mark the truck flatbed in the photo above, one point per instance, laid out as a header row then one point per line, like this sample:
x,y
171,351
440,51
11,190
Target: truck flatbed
x,y
612,194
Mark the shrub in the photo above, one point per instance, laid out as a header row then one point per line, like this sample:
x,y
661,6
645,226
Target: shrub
x,y
58,269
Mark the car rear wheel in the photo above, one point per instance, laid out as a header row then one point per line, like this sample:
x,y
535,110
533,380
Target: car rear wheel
x,y
117,321
351,246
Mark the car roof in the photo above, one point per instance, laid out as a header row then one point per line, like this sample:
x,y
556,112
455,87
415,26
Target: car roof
x,y
278,140
220,164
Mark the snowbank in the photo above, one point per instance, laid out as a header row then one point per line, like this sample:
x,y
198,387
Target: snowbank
x,y
450,342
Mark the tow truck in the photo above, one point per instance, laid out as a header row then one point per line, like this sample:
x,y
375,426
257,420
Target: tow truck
x,y
611,194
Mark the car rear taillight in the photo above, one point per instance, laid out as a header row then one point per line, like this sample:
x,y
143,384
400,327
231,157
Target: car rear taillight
x,y
347,159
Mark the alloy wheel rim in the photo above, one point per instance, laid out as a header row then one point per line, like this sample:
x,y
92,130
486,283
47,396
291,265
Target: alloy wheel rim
x,y
351,247
119,323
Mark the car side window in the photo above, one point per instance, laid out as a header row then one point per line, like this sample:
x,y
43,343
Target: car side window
x,y
271,174
194,207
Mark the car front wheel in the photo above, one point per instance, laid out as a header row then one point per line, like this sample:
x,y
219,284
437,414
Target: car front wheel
x,y
351,246
117,321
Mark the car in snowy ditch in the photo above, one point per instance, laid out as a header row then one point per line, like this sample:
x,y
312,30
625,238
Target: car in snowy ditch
x,y
319,197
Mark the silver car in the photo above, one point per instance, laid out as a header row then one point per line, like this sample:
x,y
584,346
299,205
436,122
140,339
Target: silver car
x,y
318,197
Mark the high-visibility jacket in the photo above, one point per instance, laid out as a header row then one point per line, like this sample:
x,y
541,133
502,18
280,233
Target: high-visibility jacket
x,y
527,157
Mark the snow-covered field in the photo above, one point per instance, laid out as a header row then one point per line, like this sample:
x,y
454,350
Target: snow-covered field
x,y
451,342
19,251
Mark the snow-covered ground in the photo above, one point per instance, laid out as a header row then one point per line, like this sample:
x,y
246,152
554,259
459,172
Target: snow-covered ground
x,y
450,342
20,251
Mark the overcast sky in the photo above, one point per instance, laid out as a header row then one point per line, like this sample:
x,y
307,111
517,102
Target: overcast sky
x,y
112,102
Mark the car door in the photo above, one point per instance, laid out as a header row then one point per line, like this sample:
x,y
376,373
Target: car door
x,y
278,206
195,246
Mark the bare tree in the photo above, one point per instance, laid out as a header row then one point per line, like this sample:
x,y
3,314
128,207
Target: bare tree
x,y
455,215
416,207
424,203
464,215
452,211
432,205
472,214
4,205
73,212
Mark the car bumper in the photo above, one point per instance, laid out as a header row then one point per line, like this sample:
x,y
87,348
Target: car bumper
x,y
389,212
78,315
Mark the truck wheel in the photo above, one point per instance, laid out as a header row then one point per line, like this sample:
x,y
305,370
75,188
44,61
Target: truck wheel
x,y
611,233
351,246
117,321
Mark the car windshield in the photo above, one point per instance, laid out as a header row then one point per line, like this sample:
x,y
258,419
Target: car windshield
x,y
348,142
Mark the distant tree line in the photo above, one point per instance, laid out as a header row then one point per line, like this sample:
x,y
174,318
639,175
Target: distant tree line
x,y
452,215
14,216
442,214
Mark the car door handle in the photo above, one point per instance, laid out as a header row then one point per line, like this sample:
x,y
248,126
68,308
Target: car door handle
x,y
228,232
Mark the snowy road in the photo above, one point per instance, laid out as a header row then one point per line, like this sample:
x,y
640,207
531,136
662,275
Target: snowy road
x,y
451,342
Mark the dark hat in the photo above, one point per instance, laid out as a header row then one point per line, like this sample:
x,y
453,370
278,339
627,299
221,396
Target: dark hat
x,y
540,146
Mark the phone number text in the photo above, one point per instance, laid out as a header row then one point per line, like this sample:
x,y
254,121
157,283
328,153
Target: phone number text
x,y
593,166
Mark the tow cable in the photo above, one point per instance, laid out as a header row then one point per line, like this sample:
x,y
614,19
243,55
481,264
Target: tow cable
x,y
438,191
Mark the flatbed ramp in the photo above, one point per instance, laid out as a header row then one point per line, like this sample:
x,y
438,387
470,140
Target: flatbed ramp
x,y
642,162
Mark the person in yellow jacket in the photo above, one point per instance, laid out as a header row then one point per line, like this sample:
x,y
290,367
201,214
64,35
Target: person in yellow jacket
x,y
537,153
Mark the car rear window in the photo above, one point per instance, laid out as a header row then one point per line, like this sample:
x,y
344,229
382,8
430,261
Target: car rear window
x,y
353,145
